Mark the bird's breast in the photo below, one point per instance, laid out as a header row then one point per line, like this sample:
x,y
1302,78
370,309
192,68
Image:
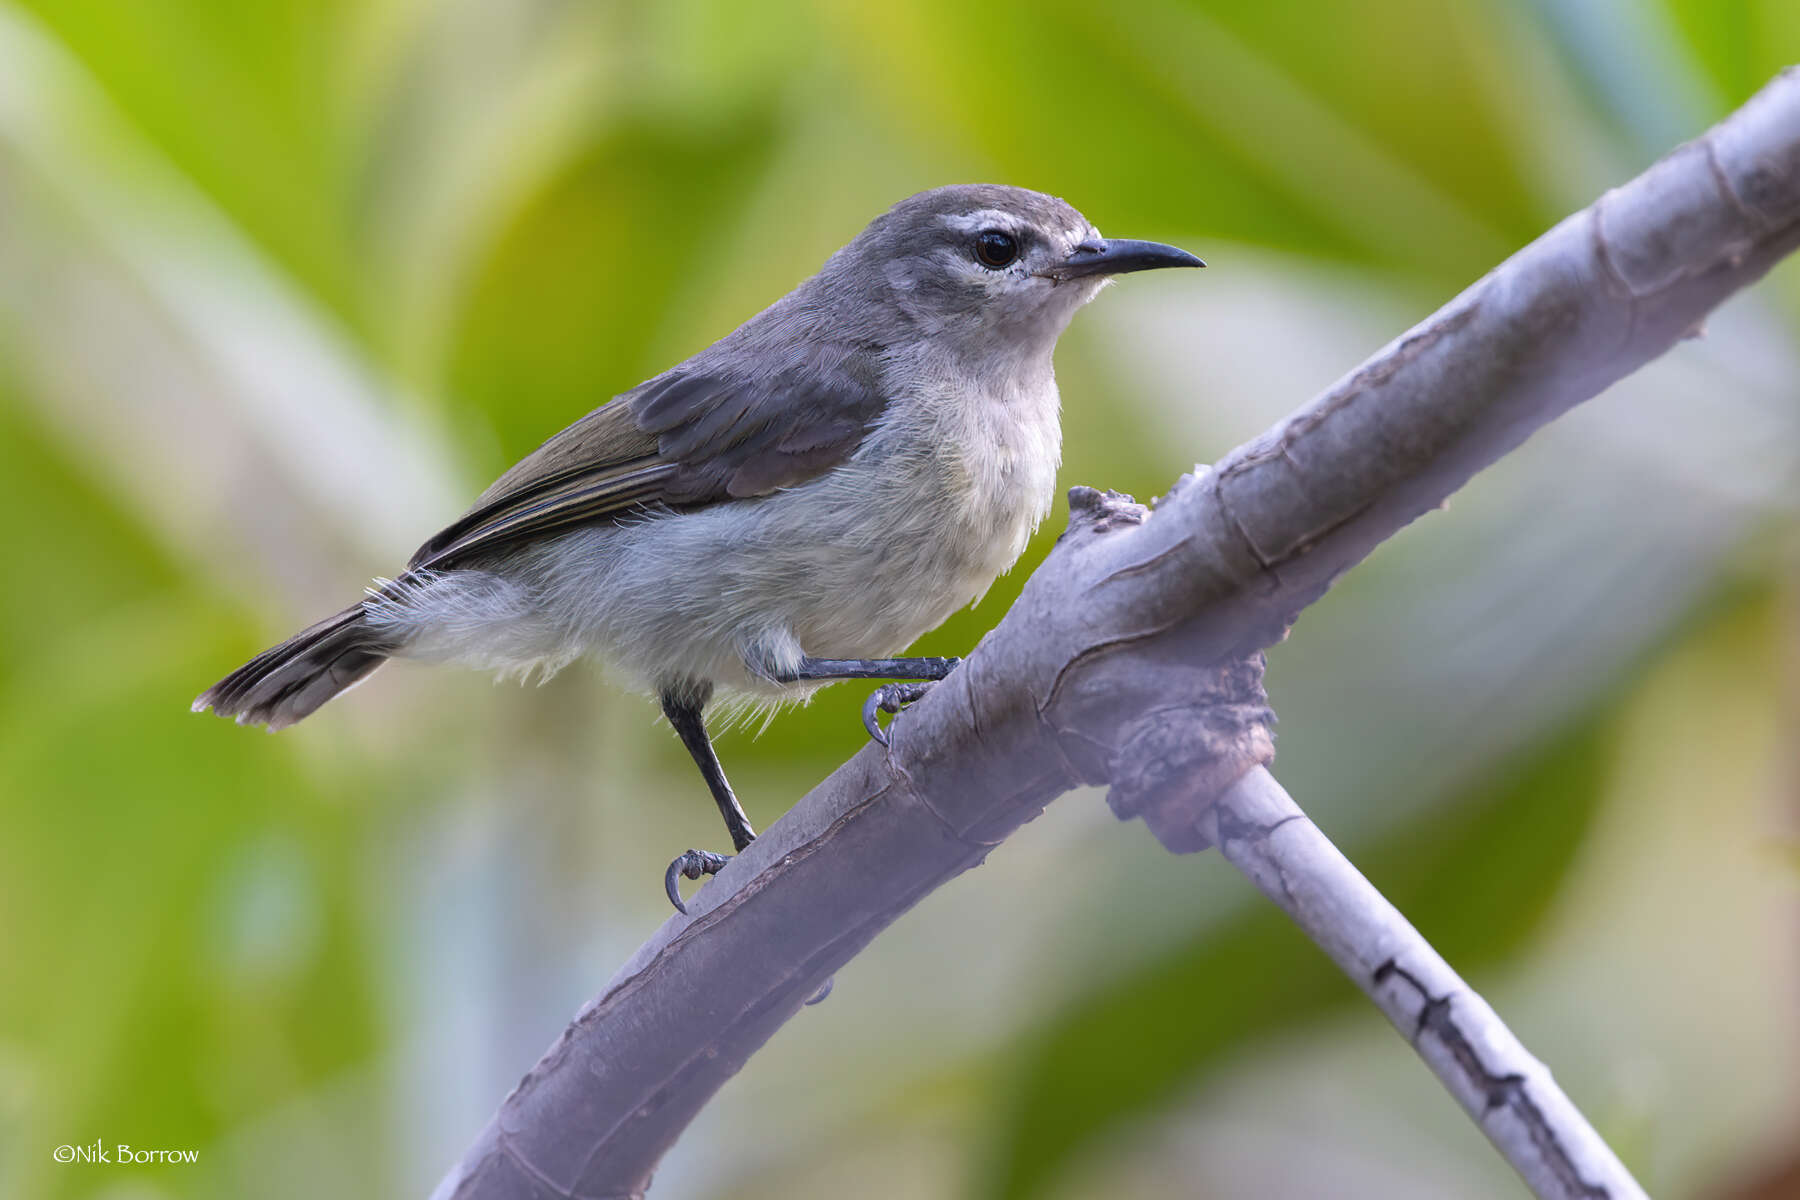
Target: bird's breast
x,y
1004,474
938,505
971,471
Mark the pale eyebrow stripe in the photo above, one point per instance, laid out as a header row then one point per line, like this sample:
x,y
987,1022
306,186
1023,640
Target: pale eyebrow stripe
x,y
987,218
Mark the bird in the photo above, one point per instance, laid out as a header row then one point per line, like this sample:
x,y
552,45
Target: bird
x,y
792,506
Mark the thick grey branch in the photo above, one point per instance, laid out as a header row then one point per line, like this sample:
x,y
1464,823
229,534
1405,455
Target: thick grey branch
x,y
1510,1094
1133,617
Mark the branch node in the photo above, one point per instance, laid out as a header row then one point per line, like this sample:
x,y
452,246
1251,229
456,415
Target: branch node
x,y
1173,762
1094,511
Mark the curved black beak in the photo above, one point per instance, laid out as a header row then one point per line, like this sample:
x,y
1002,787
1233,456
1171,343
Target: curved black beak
x,y
1116,256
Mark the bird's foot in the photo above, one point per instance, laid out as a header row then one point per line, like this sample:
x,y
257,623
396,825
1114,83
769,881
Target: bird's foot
x,y
692,865
891,698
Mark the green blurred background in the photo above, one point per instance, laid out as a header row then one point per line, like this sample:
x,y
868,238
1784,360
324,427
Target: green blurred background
x,y
284,283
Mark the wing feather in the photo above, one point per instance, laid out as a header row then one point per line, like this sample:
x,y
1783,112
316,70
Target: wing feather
x,y
685,439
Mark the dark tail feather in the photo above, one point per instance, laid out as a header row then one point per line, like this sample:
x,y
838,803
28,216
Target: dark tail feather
x,y
281,685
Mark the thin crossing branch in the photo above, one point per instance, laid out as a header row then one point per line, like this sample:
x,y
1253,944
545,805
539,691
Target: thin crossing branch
x,y
1508,1093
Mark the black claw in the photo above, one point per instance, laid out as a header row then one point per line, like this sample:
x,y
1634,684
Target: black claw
x,y
871,721
891,698
818,997
692,864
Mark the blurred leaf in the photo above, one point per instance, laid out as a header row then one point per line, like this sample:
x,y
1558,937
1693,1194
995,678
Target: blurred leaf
x,y
567,311
1475,878
239,98
1740,44
171,995
1218,118
1662,70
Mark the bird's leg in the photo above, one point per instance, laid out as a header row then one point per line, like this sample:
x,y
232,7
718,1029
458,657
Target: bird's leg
x,y
683,709
684,712
919,673
930,669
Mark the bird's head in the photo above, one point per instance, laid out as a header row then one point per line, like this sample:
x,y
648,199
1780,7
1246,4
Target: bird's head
x,y
982,265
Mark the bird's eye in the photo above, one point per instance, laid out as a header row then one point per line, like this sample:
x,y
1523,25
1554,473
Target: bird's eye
x,y
995,249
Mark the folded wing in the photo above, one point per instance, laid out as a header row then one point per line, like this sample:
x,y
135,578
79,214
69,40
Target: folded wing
x,y
685,439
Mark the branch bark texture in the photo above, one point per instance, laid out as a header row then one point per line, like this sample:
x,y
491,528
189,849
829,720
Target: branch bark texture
x,y
1138,641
